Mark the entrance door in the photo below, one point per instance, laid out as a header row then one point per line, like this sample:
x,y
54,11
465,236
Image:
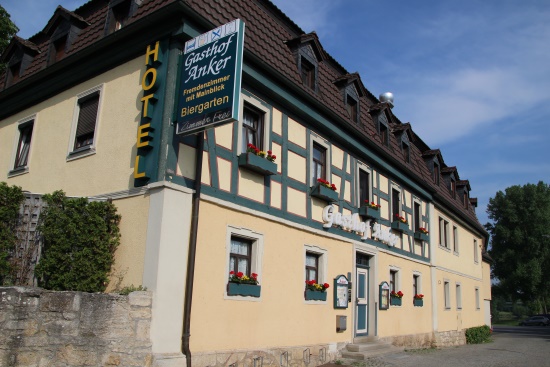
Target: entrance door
x,y
362,294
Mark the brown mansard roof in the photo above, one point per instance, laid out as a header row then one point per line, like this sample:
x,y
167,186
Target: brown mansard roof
x,y
269,37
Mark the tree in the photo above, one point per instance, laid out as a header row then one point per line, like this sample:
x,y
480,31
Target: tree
x,y
520,242
7,30
11,198
80,239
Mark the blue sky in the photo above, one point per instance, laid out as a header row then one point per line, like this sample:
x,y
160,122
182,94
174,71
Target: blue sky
x,y
472,77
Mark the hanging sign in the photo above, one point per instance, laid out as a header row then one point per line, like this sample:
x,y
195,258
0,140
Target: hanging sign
x,y
210,79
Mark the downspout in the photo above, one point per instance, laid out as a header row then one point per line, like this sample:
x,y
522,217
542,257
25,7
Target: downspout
x,y
192,252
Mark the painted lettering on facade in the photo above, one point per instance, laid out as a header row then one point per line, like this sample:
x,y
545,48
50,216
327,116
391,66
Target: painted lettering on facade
x,y
353,223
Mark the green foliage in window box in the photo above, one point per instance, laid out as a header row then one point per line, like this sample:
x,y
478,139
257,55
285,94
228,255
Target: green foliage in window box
x,y
11,198
80,239
478,334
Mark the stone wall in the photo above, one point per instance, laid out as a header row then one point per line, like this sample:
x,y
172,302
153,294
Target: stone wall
x,y
303,356
65,329
450,338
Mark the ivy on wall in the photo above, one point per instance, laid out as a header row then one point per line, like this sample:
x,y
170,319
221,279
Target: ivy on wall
x,y
11,198
80,239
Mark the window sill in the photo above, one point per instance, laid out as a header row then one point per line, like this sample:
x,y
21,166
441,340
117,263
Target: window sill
x,y
81,153
445,248
456,253
18,171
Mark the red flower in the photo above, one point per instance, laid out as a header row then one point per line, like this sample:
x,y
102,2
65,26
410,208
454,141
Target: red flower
x,y
326,285
231,272
274,156
250,145
269,152
333,186
240,274
254,275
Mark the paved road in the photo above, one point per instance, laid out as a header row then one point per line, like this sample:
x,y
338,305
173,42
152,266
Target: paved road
x,y
513,346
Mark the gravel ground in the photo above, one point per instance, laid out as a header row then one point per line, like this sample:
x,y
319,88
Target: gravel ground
x,y
510,347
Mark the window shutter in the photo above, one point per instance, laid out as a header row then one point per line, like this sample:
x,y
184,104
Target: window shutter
x,y
87,116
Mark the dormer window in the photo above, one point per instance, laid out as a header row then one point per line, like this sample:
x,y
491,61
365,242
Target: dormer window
x,y
465,199
58,49
308,53
383,128
119,13
405,148
453,187
14,73
353,108
436,173
307,70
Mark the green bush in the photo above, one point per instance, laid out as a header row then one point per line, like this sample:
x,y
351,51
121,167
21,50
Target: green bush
x,y
131,288
10,201
478,334
80,239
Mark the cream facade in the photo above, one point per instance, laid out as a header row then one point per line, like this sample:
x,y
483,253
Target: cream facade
x,y
394,223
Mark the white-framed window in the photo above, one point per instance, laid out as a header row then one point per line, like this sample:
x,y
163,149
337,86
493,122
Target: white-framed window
x,y
455,240
254,124
395,279
22,146
477,298
417,283
315,264
444,233
364,184
85,122
395,202
244,252
458,289
417,215
476,251
447,294
319,160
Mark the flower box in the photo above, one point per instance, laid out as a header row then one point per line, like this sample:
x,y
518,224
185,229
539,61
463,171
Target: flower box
x,y
370,212
421,236
247,290
257,164
324,193
399,226
315,295
418,302
395,301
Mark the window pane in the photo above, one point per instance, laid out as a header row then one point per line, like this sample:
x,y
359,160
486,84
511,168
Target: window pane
x,y
243,266
238,247
24,145
311,260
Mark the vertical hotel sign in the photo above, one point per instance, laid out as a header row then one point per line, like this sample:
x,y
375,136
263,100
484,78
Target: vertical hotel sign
x,y
210,81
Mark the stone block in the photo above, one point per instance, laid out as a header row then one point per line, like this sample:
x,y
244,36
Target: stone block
x,y
58,302
27,358
78,356
142,329
141,299
140,313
